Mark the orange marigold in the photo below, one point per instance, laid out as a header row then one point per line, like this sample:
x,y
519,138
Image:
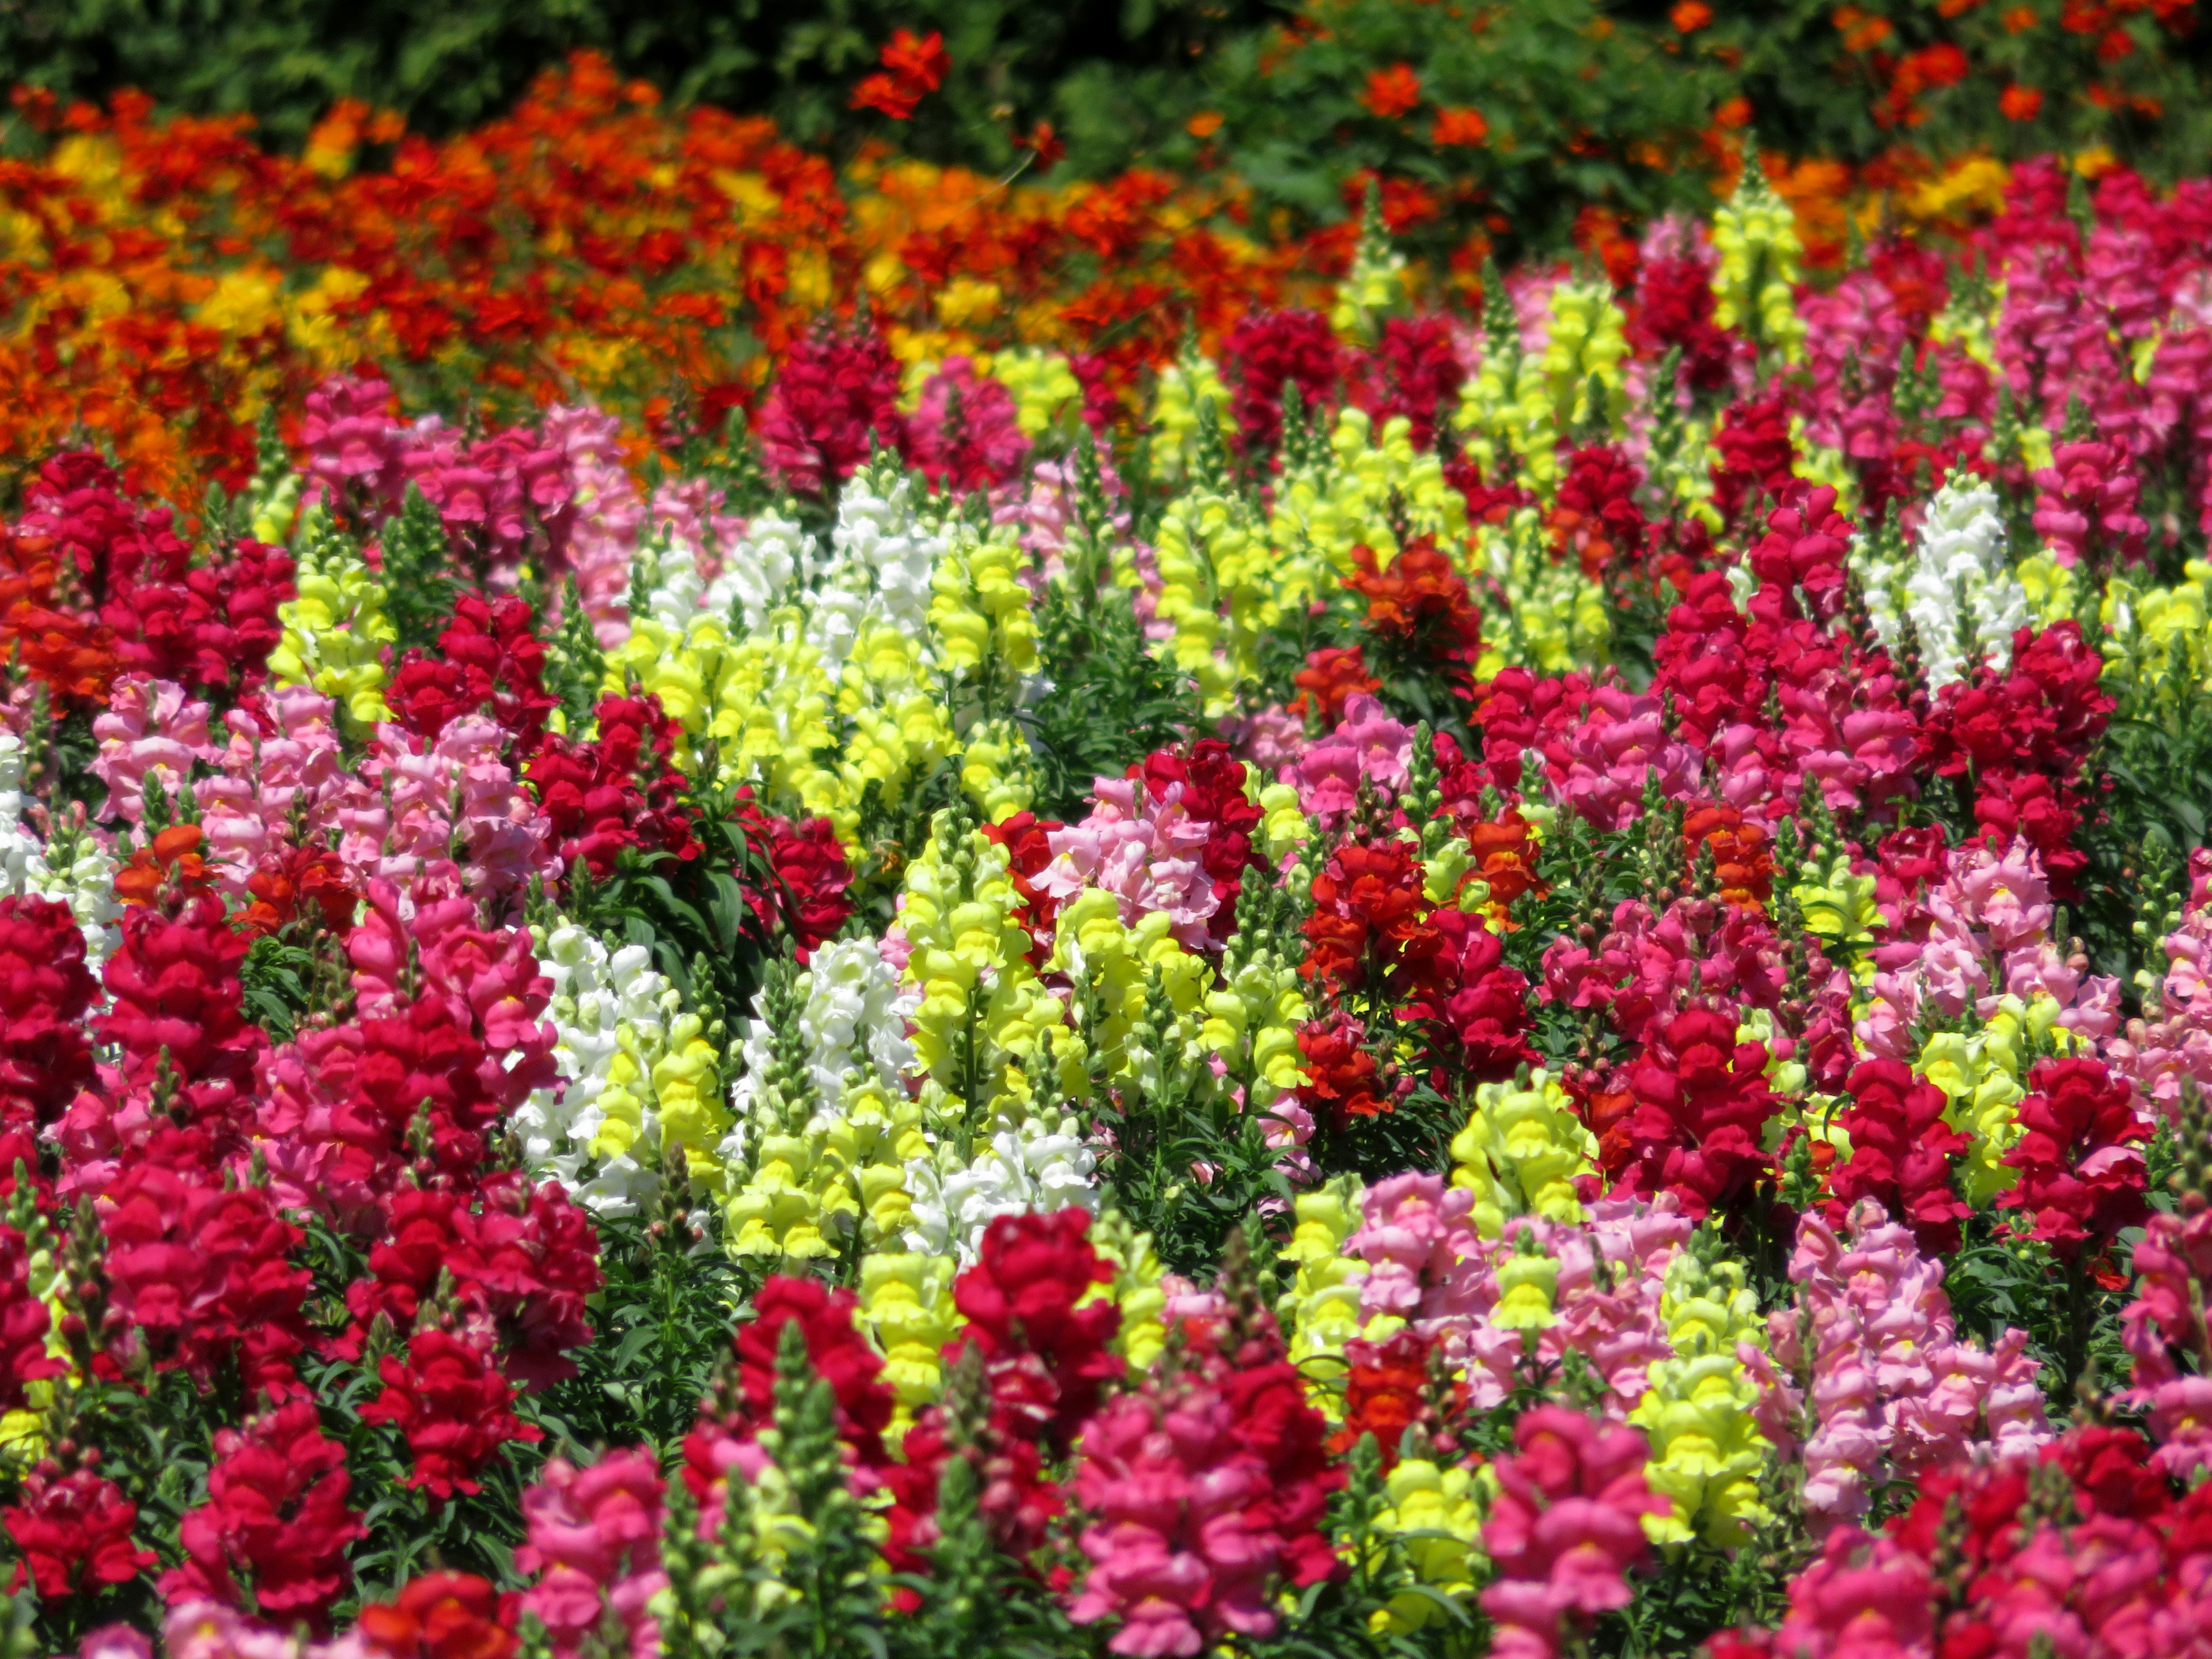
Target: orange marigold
x,y
1457,125
1392,92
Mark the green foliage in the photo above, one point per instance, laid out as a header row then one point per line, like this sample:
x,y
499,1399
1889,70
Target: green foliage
x,y
417,586
1114,78
1111,701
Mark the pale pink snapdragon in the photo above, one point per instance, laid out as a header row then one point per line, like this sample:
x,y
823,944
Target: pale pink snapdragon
x,y
1146,850
150,729
1367,744
1892,1390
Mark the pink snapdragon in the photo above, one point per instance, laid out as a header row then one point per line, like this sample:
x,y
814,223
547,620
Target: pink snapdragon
x,y
1564,1530
594,1546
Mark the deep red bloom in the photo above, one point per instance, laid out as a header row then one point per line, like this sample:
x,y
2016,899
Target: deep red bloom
x,y
1900,1153
212,625
489,660
811,875
617,791
46,1053
1268,351
24,1321
1595,515
1702,1103
2080,1162
836,393
1413,370
72,1534
449,1399
276,1518
1025,1302
203,1272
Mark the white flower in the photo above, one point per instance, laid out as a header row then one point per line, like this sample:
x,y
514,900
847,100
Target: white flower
x,y
772,554
1957,586
74,870
853,1018
1038,1166
882,560
610,1014
673,586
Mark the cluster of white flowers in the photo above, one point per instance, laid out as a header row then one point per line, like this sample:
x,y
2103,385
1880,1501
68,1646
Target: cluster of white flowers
x,y
669,567
882,562
852,1016
1958,588
758,576
611,1014
74,870
1038,1165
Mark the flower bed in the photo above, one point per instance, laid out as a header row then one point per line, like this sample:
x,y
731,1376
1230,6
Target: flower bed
x,y
1376,979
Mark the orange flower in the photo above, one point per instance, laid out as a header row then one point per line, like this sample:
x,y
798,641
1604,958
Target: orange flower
x,y
1392,92
1459,126
2116,44
2021,18
915,68
2020,103
1733,114
1204,125
1861,32
1690,16
1955,8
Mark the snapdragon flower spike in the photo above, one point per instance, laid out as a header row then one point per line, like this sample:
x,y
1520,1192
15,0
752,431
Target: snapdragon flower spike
x,y
447,1396
836,395
73,1535
1205,1488
275,1521
593,1546
209,625
1564,1530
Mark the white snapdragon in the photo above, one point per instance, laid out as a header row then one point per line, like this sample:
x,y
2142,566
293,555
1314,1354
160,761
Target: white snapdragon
x,y
882,562
74,869
853,1018
612,1014
758,576
1957,586
1039,1165
673,586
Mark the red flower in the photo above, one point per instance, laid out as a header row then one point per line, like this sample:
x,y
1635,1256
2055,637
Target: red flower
x,y
1701,1107
915,68
178,1003
841,1357
836,394
1414,371
1343,1080
1268,351
202,1272
1332,676
24,1321
1900,1148
617,791
456,1409
440,1615
1025,1303
213,625
72,1534
1386,1392
276,1518
812,875
1419,611
2081,1172
46,1053
489,660
1595,515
